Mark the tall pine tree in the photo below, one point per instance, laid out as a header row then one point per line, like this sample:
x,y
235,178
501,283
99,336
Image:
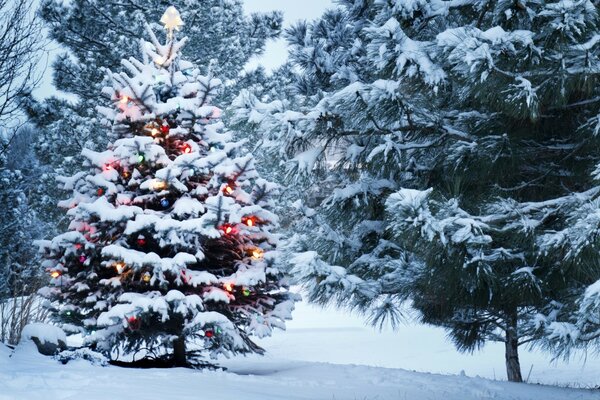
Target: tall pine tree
x,y
452,146
169,249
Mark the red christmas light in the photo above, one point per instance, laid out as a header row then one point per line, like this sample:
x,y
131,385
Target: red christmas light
x,y
209,334
141,241
227,229
165,129
228,286
186,148
134,323
100,191
249,221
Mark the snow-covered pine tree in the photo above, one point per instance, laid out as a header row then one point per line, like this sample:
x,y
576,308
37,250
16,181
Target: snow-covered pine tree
x,y
20,175
169,247
447,140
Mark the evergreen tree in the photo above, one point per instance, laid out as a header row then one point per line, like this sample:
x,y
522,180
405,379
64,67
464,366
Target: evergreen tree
x,y
445,142
169,247
20,174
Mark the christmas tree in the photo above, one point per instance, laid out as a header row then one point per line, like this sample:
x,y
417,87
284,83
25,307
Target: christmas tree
x,y
169,251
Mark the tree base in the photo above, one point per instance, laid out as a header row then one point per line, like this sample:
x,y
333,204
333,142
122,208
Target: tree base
x,y
158,363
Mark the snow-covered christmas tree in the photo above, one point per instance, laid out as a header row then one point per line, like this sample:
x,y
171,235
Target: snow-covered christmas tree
x,y
169,252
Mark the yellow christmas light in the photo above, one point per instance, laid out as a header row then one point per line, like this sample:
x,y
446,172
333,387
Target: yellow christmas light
x,y
172,20
120,267
159,185
257,253
146,277
55,274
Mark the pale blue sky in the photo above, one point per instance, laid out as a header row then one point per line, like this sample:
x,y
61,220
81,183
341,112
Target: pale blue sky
x,y
276,51
293,10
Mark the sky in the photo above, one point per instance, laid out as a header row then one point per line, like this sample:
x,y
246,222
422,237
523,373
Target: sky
x,y
275,53
293,10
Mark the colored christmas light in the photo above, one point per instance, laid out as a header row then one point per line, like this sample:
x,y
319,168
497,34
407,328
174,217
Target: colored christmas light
x,y
249,221
146,277
140,158
186,148
124,100
55,274
228,286
246,292
165,129
257,253
227,229
134,323
165,203
228,189
100,191
82,258
120,267
141,241
159,185
209,333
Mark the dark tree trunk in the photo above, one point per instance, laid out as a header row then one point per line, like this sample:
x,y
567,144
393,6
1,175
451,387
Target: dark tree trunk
x,y
179,356
511,345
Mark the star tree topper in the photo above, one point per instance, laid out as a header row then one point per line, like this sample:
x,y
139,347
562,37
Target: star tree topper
x,y
172,20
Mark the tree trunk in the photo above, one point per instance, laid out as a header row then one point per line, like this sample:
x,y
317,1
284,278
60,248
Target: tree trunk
x,y
513,367
179,356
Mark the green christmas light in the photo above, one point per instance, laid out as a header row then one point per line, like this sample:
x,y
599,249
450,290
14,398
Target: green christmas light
x,y
141,158
246,292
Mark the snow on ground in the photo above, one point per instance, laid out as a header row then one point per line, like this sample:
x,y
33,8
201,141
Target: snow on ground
x,y
336,337
29,376
316,359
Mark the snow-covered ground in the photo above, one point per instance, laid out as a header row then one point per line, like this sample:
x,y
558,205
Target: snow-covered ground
x,y
336,337
324,355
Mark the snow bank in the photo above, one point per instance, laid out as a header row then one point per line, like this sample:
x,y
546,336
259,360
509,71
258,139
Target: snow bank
x,y
44,332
